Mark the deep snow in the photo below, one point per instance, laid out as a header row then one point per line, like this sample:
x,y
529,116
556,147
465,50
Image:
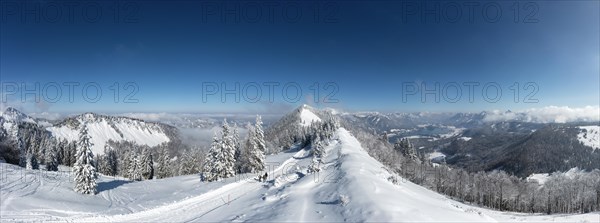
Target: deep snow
x,y
101,131
352,186
591,136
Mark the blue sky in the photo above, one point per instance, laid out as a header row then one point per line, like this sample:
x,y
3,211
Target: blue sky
x,y
365,52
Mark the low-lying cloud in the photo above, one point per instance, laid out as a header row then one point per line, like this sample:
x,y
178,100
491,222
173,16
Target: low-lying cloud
x,y
550,114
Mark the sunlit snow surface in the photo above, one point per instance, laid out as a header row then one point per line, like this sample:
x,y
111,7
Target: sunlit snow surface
x,y
590,137
352,186
101,132
307,117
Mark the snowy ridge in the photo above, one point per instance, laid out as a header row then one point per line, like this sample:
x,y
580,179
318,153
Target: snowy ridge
x,y
104,128
352,186
590,136
13,115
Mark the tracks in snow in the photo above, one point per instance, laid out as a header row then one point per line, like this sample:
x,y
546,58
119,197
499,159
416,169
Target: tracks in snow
x,y
192,209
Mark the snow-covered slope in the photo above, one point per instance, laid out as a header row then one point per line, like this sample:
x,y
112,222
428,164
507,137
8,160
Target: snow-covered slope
x,y
352,186
104,128
14,115
9,121
590,136
307,116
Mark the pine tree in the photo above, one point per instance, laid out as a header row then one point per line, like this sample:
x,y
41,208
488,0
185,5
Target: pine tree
x,y
317,152
220,161
66,152
238,150
135,167
73,153
22,153
111,160
59,151
147,164
235,137
245,156
31,162
84,167
314,165
126,164
51,159
164,164
212,167
259,135
256,151
228,152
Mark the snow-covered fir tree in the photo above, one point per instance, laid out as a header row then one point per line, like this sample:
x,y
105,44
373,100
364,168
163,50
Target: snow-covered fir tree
x,y
238,150
212,168
190,161
259,135
317,147
256,147
147,163
314,165
228,151
243,160
125,164
135,167
32,162
220,160
84,167
22,153
111,160
235,137
317,153
164,164
51,159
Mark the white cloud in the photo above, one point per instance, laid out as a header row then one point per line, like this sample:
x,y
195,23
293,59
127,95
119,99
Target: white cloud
x,y
46,115
154,117
550,114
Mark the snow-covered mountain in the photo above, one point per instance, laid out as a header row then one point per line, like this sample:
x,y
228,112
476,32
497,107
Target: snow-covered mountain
x,y
352,186
284,132
307,116
13,115
102,128
9,120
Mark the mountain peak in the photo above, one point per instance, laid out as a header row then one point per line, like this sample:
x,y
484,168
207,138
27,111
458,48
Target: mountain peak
x,y
305,106
11,110
15,115
307,116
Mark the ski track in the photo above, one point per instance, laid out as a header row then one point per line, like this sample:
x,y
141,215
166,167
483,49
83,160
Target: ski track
x,y
199,205
290,195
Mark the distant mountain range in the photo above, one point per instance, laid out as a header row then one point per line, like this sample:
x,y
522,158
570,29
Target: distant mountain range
x,y
102,128
473,141
484,142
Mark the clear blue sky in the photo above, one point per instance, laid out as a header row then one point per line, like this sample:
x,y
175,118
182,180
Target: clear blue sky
x,y
367,49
